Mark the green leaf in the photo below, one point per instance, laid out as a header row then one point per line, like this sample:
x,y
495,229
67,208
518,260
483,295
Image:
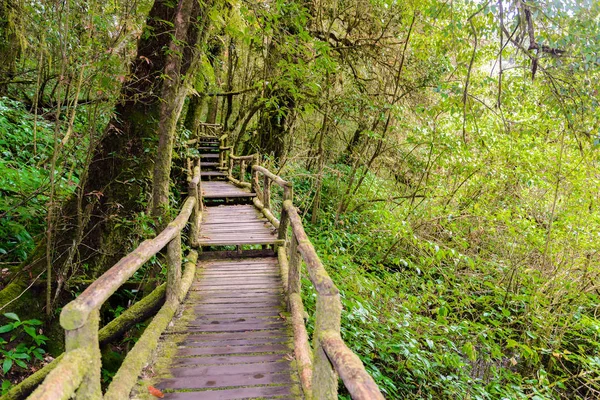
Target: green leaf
x,y
7,365
21,364
30,331
12,316
470,351
6,328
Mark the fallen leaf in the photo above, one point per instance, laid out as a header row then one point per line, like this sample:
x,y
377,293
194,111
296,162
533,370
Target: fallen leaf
x,y
289,356
283,317
155,392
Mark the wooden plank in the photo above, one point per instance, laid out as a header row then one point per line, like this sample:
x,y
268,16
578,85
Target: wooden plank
x,y
239,283
269,367
273,313
230,350
265,241
234,342
239,327
229,380
226,359
236,302
230,394
241,271
198,337
219,320
212,173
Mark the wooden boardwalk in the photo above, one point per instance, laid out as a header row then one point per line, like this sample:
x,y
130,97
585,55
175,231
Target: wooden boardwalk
x,y
233,325
235,225
222,190
232,340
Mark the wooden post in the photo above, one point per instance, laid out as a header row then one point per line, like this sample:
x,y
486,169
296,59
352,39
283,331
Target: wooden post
x,y
173,268
294,283
255,183
199,192
195,217
284,221
86,337
328,319
242,170
230,171
267,192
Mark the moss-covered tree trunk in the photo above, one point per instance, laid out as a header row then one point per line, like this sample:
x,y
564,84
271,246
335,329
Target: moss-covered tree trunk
x,y
97,228
10,45
173,96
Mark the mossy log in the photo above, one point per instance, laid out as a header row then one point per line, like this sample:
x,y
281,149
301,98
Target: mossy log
x,y
352,371
138,312
239,183
327,318
266,212
63,380
189,273
275,178
284,266
127,375
26,386
75,314
301,344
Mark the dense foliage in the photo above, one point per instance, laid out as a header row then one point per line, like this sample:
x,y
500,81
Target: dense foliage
x,y
444,156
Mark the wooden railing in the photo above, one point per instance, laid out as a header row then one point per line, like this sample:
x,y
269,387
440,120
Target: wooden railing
x,y
330,357
211,130
78,371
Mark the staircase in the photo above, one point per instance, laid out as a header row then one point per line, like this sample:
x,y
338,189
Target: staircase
x,y
233,324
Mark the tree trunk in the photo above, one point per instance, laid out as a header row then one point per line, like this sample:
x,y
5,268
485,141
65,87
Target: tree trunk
x,y
173,96
193,116
10,45
118,177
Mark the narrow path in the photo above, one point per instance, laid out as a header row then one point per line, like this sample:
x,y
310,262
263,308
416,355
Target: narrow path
x,y
232,340
235,225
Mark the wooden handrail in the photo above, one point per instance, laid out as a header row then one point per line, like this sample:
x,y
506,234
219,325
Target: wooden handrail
x,y
65,378
251,157
356,379
331,356
75,314
80,318
275,178
318,275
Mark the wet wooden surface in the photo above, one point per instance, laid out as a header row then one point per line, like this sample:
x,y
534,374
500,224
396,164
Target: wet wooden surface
x,y
222,190
232,340
213,173
235,225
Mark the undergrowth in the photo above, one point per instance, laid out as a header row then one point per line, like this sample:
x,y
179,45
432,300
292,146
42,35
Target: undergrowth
x,y
432,319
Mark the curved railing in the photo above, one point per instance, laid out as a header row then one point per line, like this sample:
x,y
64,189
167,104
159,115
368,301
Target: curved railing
x,y
78,371
330,357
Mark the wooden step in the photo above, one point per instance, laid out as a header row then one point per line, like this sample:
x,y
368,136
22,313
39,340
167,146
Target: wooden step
x,y
213,173
206,164
236,225
224,190
208,148
241,349
209,155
